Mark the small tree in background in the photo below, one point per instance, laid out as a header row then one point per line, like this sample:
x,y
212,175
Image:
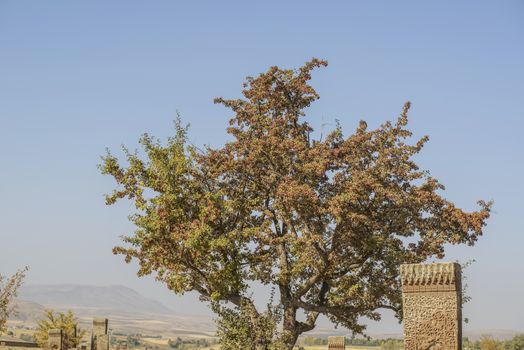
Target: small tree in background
x,y
325,221
488,343
516,343
67,322
8,288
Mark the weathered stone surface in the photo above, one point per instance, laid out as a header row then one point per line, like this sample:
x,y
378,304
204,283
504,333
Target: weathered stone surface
x,y
55,339
102,342
431,296
100,338
100,326
337,343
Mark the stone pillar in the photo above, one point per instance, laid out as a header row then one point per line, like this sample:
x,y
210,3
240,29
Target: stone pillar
x,y
102,342
100,338
337,343
432,303
55,339
100,326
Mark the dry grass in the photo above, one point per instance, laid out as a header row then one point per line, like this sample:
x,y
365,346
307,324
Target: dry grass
x,y
156,341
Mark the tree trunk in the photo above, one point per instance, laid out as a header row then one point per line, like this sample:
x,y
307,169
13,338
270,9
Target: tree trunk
x,y
289,328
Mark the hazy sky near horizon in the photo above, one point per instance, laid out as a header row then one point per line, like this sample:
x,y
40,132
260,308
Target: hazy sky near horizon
x,y
77,77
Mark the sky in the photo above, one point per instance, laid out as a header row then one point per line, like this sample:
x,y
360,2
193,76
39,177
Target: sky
x,y
77,77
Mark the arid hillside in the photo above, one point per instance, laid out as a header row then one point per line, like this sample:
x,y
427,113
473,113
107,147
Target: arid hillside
x,y
128,311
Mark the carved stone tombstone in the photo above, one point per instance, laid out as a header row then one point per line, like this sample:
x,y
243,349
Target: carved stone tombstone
x,y
337,343
100,339
432,300
100,326
55,339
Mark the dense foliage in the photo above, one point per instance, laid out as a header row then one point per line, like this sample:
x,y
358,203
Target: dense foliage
x,y
235,327
326,221
67,322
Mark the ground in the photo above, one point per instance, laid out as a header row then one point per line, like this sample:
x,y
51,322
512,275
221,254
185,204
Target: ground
x,y
160,342
320,347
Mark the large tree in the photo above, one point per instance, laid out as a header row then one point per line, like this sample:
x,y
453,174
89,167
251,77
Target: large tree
x,y
326,221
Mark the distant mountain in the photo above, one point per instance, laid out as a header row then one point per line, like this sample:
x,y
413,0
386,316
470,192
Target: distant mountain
x,y
27,311
128,311
96,298
28,314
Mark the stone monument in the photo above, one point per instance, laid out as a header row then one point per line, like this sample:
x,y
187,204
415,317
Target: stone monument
x,y
337,343
100,338
432,302
100,325
55,339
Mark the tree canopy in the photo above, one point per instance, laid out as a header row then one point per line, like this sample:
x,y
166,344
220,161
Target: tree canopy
x,y
326,221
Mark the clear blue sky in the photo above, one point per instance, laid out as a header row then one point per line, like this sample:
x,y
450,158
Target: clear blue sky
x,y
77,77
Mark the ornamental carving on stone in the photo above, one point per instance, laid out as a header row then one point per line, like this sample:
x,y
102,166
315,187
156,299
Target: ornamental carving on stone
x,y
431,296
